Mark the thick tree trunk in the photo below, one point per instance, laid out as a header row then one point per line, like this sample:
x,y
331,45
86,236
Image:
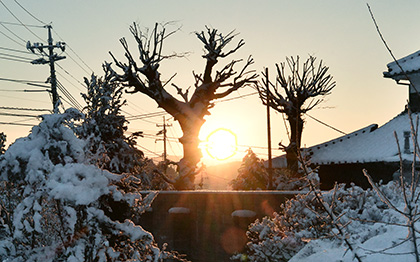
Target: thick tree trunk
x,y
187,166
296,127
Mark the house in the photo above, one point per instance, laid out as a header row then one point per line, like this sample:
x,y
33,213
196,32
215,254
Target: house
x,y
374,148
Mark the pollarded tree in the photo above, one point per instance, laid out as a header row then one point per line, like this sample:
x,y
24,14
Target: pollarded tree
x,y
144,77
295,95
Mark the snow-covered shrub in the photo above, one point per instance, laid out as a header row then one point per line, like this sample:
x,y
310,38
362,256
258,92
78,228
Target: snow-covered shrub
x,y
252,174
2,143
302,219
57,207
103,127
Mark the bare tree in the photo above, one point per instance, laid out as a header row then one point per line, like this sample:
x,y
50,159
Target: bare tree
x,y
294,95
190,110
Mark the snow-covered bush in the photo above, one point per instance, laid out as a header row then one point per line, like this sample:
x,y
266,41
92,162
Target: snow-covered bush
x,y
104,126
104,129
2,143
252,174
57,207
302,219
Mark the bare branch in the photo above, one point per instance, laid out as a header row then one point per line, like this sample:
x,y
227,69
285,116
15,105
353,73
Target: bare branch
x,y
182,94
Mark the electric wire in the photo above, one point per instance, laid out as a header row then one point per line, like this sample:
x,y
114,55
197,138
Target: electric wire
x,y
234,98
20,80
150,151
325,124
29,13
13,40
71,49
15,59
16,56
65,71
24,109
27,28
16,124
174,134
16,50
10,23
13,33
18,115
26,99
24,90
69,96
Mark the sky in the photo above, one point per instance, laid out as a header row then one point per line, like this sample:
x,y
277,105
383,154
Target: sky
x,y
341,33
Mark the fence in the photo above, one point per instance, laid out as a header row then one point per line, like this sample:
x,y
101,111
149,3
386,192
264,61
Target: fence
x,y
208,225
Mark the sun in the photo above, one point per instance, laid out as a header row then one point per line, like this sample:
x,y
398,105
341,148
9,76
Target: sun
x,y
221,144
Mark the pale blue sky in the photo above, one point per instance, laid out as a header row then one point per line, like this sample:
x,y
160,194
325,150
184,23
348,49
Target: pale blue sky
x,y
340,32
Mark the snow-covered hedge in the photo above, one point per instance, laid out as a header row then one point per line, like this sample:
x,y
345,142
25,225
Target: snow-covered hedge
x,y
303,220
57,207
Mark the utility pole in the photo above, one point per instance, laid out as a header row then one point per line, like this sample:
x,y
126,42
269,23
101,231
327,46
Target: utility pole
x,y
270,160
163,131
52,58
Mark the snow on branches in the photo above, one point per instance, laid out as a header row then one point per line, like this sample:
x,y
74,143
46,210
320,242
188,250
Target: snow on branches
x,y
144,76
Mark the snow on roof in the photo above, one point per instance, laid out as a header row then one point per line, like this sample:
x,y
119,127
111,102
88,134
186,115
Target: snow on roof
x,y
410,64
370,144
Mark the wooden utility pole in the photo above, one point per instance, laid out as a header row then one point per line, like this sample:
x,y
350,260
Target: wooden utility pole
x,y
52,58
270,160
165,158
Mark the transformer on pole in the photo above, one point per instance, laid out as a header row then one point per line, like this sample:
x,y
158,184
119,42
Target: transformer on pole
x,y
48,51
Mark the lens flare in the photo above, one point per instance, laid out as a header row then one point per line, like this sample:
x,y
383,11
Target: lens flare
x,y
221,144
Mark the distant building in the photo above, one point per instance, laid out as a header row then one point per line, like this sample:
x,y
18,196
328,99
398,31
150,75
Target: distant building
x,y
410,75
372,148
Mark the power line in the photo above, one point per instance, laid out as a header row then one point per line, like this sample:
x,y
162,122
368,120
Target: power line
x,y
71,49
10,23
15,59
27,28
150,151
20,98
16,50
325,124
20,80
19,115
13,40
234,98
24,90
13,33
15,56
69,96
34,17
22,108
16,124
65,71
147,115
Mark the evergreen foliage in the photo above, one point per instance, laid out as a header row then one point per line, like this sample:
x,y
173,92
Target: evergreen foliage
x,y
2,143
103,127
252,174
55,206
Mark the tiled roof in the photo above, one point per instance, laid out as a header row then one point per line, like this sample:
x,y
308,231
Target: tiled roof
x,y
370,144
410,64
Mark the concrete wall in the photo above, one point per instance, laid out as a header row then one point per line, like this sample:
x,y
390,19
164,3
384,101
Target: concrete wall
x,y
200,223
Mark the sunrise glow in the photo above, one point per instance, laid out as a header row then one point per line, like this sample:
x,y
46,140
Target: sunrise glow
x,y
221,144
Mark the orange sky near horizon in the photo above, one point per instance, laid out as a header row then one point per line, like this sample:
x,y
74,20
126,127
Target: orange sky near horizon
x,y
341,33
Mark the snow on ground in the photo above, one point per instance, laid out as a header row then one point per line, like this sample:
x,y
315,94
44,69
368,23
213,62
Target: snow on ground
x,y
389,245
376,249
